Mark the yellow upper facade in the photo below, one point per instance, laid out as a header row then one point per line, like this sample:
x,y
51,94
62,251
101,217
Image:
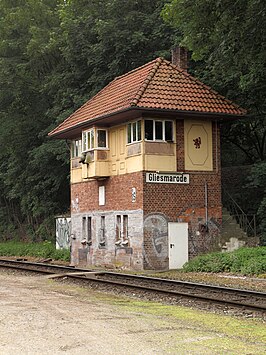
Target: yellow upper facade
x,y
139,145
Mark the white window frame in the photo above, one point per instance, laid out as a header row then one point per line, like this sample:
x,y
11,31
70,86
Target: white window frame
x,y
138,139
93,132
163,130
76,148
96,135
89,133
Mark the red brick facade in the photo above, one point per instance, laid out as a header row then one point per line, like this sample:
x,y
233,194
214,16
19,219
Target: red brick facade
x,y
118,193
161,203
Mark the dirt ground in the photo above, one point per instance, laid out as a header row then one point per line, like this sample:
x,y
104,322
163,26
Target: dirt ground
x,y
41,316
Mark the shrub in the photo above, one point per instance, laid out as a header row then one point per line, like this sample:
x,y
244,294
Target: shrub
x,y
244,260
42,250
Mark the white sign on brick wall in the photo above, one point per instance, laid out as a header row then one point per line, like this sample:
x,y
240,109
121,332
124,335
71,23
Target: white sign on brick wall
x,y
167,178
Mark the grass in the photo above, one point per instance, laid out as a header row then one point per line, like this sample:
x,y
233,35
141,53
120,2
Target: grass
x,y
181,330
39,250
246,261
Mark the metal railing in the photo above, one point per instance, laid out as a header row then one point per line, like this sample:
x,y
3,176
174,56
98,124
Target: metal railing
x,y
247,222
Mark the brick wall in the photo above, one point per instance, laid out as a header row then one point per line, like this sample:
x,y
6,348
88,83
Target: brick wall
x,y
118,201
185,203
155,206
118,194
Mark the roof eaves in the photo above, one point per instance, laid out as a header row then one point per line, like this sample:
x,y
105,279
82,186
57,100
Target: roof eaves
x,y
90,121
147,110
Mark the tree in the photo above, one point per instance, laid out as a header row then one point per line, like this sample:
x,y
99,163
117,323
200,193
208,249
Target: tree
x,y
54,55
230,38
27,55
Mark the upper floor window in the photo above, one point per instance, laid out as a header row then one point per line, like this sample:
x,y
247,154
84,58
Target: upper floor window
x,y
134,132
76,148
101,138
156,130
94,138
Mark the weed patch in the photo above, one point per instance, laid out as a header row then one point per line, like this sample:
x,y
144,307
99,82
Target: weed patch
x,y
41,250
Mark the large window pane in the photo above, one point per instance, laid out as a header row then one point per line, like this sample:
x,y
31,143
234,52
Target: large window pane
x,y
158,130
129,133
134,127
139,130
92,139
84,141
149,130
102,138
76,148
89,140
168,130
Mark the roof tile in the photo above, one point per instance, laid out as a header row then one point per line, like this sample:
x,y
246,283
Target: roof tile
x,y
157,84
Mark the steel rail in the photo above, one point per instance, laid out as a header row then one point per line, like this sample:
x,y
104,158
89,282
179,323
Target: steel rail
x,y
95,276
191,284
37,266
89,278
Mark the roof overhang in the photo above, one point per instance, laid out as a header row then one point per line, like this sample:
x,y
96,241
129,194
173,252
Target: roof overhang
x,y
128,114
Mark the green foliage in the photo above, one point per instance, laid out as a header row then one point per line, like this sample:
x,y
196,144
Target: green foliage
x,y
29,54
244,261
54,55
40,250
258,180
228,42
229,37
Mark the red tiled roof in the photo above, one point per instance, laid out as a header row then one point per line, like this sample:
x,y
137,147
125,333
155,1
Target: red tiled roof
x,y
155,85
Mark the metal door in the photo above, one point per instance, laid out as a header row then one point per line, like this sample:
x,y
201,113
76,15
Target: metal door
x,y
178,244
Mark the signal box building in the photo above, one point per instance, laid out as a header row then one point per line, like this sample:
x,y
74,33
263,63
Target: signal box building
x,y
145,169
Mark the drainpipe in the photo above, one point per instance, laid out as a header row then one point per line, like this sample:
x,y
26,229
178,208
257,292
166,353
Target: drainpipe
x,y
206,204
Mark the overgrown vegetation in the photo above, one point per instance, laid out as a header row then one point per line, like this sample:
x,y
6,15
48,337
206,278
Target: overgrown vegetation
x,y
246,261
39,250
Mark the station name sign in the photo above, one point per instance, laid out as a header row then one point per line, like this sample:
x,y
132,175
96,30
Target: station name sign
x,y
167,178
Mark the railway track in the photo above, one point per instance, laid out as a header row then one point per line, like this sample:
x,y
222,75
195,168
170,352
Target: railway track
x,y
229,297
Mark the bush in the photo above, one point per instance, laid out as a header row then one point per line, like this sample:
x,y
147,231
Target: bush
x,y
246,261
41,250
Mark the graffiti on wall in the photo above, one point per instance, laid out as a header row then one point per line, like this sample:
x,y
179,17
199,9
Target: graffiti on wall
x,y
156,241
63,230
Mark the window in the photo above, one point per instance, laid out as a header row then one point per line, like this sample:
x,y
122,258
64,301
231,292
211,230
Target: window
x,y
134,132
89,141
102,232
118,228
86,230
89,236
101,195
156,130
101,138
76,148
125,227
122,231
168,130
